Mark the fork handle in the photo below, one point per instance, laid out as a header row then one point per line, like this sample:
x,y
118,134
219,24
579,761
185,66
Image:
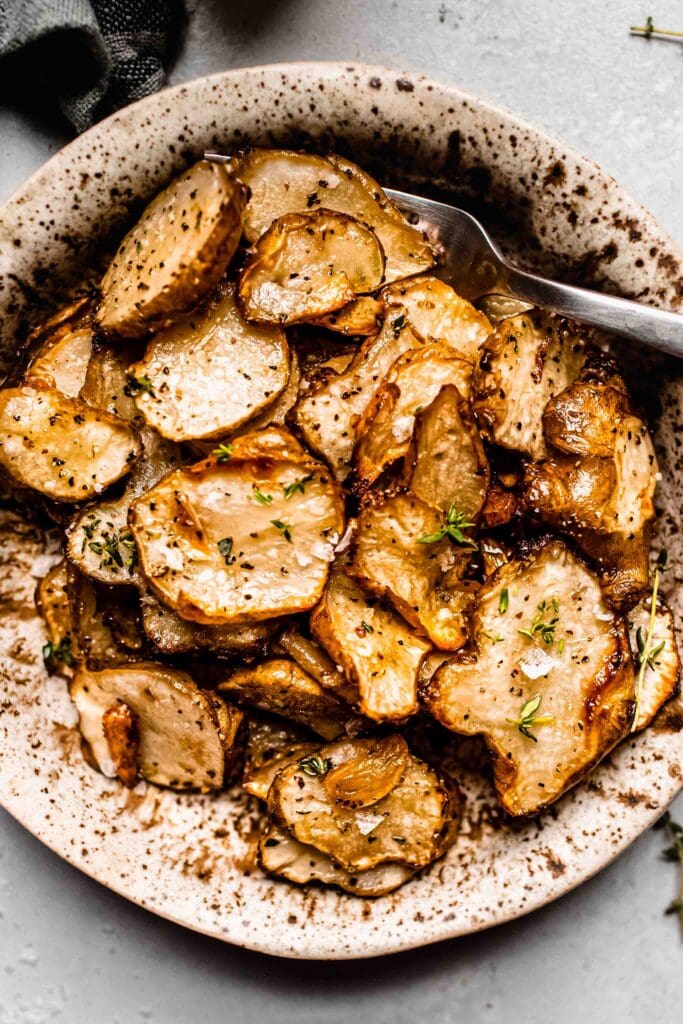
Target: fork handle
x,y
657,328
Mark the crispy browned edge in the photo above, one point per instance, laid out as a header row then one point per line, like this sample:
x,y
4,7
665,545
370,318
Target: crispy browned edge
x,y
611,677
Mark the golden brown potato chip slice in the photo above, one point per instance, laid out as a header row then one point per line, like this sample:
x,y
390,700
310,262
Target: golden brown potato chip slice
x,y
210,372
385,429
242,537
582,419
60,446
307,265
551,688
181,742
103,621
52,601
313,659
407,824
658,661
99,540
528,360
281,687
170,634
283,856
176,253
62,360
326,416
402,552
435,312
269,738
446,463
273,415
362,316
605,504
282,182
379,654
257,781
108,384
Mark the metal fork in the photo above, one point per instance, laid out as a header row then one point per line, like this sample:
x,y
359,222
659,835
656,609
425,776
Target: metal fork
x,y
475,267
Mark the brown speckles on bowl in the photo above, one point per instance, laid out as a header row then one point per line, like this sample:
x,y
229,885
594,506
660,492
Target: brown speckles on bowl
x,y
191,858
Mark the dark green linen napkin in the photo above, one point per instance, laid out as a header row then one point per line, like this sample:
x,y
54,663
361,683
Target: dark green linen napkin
x,y
86,57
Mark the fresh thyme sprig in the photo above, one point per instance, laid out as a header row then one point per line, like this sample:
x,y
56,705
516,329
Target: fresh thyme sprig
x,y
223,453
539,627
135,385
261,498
53,653
495,638
673,853
529,717
455,523
284,528
646,652
296,486
117,550
649,29
314,764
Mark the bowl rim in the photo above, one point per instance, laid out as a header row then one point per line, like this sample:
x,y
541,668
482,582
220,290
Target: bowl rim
x,y
374,946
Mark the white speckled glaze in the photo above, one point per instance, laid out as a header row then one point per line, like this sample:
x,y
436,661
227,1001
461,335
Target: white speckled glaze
x,y
184,856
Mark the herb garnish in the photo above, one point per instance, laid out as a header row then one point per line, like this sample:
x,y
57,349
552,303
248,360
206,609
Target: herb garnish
x,y
366,627
539,627
648,30
225,548
651,656
284,529
495,638
261,498
89,528
504,601
137,384
53,653
455,523
296,486
646,652
673,853
529,719
314,764
119,550
223,453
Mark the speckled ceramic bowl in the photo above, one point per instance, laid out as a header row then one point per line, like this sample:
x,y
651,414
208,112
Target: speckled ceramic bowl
x,y
190,858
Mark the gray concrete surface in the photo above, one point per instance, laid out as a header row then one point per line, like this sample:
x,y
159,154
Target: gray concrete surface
x,y
72,952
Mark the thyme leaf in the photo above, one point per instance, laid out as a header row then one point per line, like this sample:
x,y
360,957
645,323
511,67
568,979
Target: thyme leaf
x,y
284,528
646,653
314,764
223,453
529,718
453,528
296,486
673,853
116,550
135,385
540,628
495,638
53,653
225,548
261,498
